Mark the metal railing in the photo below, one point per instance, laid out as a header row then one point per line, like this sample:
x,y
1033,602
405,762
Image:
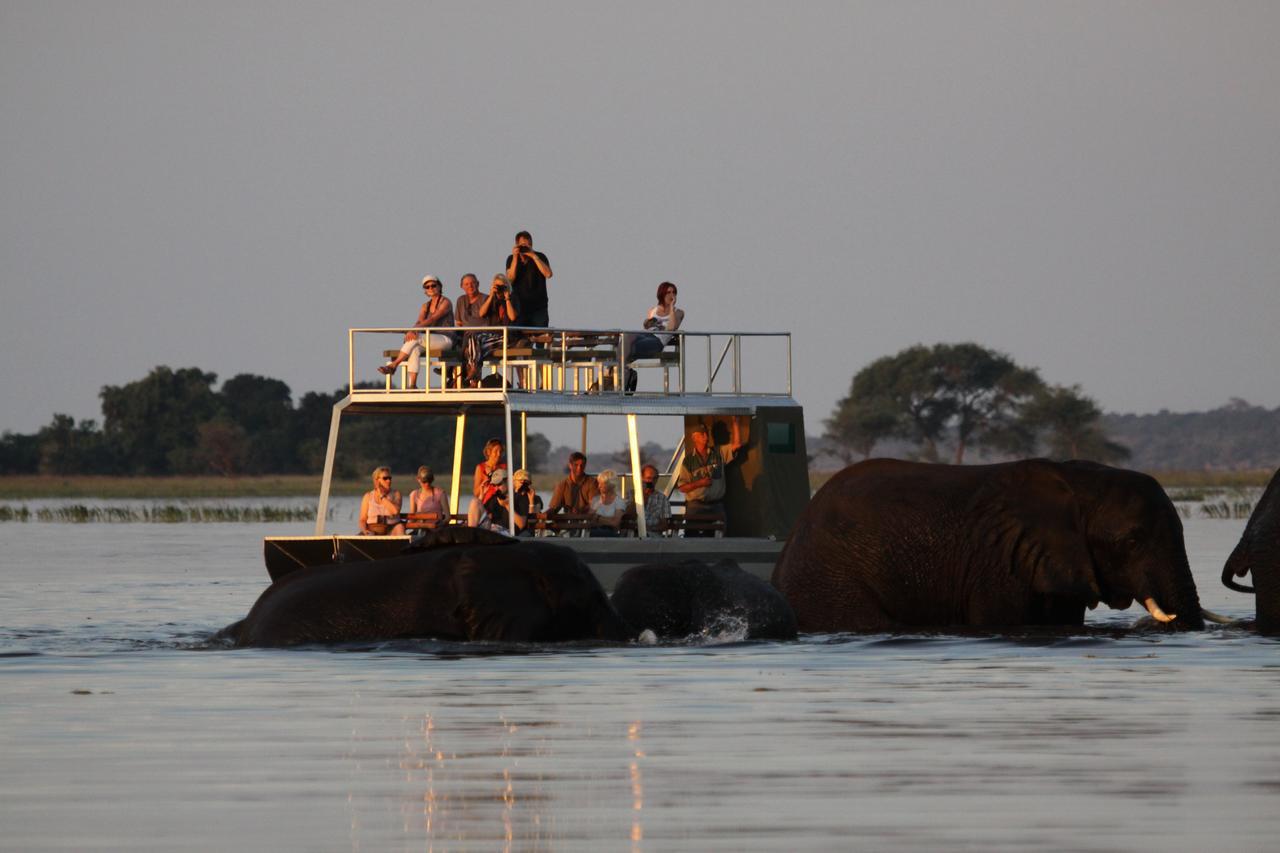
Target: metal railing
x,y
574,361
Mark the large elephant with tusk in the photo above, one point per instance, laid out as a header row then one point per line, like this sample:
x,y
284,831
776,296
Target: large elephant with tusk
x,y
890,545
1258,555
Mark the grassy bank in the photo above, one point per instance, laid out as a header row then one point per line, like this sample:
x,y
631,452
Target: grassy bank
x,y
31,487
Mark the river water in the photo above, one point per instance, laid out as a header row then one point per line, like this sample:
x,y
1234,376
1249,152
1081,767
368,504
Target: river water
x,y
120,729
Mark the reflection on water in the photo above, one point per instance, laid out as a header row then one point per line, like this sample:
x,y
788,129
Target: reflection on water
x,y
120,728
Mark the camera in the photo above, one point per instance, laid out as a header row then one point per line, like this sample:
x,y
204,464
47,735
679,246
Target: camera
x,y
502,288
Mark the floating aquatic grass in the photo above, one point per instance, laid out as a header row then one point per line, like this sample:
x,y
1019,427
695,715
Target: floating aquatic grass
x,y
159,514
1222,509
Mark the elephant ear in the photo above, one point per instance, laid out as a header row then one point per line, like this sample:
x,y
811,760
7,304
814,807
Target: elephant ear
x,y
1051,548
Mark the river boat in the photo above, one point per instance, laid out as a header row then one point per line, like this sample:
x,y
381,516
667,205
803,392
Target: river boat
x,y
712,378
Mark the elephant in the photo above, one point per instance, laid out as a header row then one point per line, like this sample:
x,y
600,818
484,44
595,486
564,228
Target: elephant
x,y
456,585
678,599
1258,554
887,545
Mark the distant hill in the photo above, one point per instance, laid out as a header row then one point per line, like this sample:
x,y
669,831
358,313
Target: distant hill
x,y
1237,436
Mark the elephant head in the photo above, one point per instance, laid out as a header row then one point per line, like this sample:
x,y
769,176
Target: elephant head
x,y
1258,554
1134,536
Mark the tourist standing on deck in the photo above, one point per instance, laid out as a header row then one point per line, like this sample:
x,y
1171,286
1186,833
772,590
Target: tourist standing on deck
x,y
436,311
701,477
662,318
498,309
380,507
429,497
573,494
529,271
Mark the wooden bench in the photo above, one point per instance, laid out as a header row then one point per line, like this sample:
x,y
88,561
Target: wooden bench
x,y
713,524
451,361
432,520
665,361
574,524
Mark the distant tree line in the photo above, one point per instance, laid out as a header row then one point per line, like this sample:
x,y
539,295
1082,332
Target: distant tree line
x,y
178,422
1235,436
966,397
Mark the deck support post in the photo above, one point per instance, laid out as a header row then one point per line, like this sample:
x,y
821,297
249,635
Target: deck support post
x,y
458,430
511,501
322,508
524,440
638,488
583,448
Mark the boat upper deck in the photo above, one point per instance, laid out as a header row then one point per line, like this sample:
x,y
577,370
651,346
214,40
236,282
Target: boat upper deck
x,y
575,372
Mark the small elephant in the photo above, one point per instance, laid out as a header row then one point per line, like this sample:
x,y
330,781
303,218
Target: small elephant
x,y
888,544
679,599
1258,554
477,589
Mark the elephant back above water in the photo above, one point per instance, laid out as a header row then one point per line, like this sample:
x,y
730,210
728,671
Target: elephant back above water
x,y
887,545
480,589
1258,554
676,600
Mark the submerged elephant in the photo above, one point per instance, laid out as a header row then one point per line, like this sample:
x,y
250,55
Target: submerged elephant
x,y
887,544
456,586
679,599
1258,554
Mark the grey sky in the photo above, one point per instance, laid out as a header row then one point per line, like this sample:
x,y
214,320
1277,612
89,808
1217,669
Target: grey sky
x,y
1093,188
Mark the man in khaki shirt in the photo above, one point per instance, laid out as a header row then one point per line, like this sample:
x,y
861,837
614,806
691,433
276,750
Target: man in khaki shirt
x,y
573,494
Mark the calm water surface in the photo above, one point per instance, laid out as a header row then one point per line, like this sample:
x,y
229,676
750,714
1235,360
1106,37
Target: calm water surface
x,y
119,729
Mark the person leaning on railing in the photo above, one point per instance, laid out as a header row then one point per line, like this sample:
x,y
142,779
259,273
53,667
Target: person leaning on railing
x,y
662,318
436,311
380,507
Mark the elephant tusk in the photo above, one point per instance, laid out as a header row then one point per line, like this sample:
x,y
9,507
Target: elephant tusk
x,y
1155,611
1216,618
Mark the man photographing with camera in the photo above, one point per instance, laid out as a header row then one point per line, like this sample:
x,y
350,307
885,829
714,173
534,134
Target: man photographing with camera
x,y
529,271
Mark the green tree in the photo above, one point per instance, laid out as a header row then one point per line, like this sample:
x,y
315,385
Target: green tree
x,y
263,409
987,390
153,422
19,453
926,394
1070,425
894,396
66,447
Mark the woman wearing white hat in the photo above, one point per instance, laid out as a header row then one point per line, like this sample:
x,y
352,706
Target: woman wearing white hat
x,y
436,311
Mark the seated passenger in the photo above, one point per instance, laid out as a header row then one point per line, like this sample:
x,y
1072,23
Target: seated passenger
x,y
663,317
657,509
380,507
526,502
481,485
496,512
606,508
498,309
436,311
573,494
701,476
428,497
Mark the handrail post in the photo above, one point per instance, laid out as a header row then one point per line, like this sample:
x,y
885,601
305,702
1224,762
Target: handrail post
x,y
739,380
788,364
620,383
351,360
710,376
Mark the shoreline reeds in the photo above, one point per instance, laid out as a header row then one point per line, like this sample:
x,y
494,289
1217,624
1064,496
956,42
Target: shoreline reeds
x,y
157,514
